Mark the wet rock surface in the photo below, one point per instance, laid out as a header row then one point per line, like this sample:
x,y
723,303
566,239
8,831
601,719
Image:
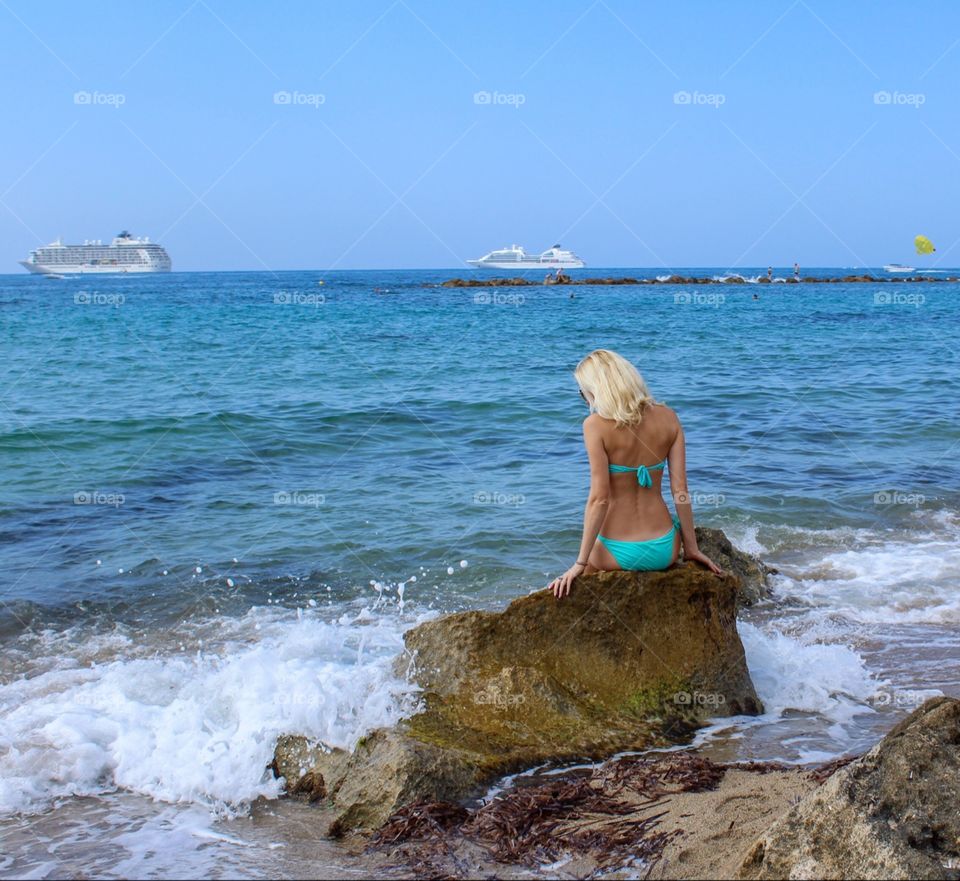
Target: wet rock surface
x,y
893,813
753,573
628,660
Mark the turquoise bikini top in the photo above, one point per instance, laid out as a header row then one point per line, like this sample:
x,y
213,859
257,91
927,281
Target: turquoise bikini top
x,y
643,471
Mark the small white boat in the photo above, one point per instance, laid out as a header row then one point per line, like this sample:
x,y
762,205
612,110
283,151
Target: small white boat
x,y
898,267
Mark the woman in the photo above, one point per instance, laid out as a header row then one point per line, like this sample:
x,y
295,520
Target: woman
x,y
630,438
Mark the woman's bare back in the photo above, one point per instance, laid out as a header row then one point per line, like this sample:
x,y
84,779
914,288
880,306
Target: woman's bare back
x,y
638,513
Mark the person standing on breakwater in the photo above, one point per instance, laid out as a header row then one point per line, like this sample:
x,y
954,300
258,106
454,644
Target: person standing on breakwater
x,y
770,273
625,524
796,271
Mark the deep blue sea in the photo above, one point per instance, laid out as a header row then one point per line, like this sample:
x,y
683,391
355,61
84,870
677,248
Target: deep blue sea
x,y
225,496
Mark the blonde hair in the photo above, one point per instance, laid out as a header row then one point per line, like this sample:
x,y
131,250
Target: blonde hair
x,y
618,390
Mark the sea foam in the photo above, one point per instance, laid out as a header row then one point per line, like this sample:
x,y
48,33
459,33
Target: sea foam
x,y
874,577
198,726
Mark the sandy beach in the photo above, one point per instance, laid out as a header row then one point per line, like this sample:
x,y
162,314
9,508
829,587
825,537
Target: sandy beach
x,y
699,828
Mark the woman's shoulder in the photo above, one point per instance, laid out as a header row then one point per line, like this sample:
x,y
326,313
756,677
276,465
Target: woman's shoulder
x,y
595,422
662,411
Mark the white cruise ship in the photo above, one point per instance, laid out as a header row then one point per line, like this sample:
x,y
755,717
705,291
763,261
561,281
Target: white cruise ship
x,y
515,257
123,254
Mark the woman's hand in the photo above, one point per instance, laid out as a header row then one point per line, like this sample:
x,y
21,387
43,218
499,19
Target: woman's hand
x,y
561,586
699,557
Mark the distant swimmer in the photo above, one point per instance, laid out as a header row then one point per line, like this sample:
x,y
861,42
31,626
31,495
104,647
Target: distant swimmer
x,y
756,296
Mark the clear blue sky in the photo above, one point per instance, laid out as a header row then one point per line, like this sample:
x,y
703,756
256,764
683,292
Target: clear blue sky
x,y
400,167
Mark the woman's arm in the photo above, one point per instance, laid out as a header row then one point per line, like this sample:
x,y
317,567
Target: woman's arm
x,y
596,508
677,461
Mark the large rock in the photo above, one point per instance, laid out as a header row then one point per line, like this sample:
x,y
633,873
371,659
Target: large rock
x,y
628,660
753,573
386,770
894,813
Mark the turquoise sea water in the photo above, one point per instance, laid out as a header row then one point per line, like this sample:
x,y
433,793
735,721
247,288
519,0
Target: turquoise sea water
x,y
421,426
216,485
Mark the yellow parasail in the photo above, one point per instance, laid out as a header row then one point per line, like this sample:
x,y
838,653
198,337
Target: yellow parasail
x,y
923,245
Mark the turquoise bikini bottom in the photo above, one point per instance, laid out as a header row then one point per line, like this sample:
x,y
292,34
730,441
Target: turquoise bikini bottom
x,y
643,556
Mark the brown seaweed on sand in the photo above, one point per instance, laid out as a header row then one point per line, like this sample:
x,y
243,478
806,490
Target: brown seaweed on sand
x,y
822,773
760,767
608,816
427,822
535,824
421,820
656,776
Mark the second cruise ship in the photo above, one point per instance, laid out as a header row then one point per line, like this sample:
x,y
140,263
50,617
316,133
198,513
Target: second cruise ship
x,y
124,254
515,257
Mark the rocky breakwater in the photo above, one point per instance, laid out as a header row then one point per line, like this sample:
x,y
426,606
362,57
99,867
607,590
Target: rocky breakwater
x,y
691,280
628,660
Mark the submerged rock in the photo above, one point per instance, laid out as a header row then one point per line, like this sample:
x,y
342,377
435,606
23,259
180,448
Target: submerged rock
x,y
627,661
488,283
310,768
891,814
